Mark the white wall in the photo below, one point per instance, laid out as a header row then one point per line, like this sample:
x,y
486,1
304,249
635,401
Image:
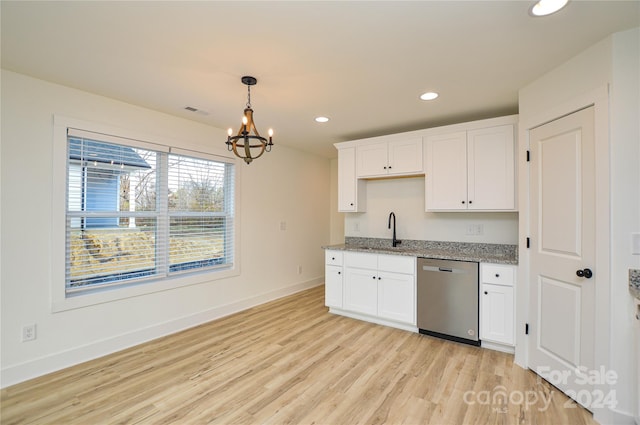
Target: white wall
x,y
614,63
406,198
625,208
285,185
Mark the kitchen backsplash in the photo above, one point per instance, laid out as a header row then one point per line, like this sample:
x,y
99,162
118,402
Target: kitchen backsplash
x,y
405,197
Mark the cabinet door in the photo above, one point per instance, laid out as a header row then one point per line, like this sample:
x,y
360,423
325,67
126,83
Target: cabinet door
x,y
333,286
491,162
405,156
496,314
396,297
347,184
446,172
360,291
372,159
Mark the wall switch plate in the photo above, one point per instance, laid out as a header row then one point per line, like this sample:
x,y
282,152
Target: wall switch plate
x,y
635,243
283,225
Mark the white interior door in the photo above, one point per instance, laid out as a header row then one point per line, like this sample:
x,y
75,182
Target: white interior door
x,y
562,281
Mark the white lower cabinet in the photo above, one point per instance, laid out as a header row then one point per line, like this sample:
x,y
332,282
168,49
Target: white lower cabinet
x,y
379,287
361,291
396,300
333,286
333,278
497,303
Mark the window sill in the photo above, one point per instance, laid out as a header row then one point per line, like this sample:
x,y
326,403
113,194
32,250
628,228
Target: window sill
x,y
135,290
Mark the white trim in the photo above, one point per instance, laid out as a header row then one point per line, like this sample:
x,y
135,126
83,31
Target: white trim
x,y
60,120
509,349
471,125
373,319
34,368
599,98
111,138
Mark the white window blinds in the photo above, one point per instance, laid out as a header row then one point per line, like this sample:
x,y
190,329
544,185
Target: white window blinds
x,y
135,214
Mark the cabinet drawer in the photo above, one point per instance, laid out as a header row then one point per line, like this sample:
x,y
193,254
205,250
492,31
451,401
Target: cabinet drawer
x,y
397,264
498,274
361,260
333,258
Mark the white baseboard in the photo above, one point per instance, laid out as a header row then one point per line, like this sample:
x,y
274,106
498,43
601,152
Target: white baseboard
x,y
608,416
373,319
21,372
510,349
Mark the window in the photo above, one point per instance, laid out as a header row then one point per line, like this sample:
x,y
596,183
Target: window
x,y
136,212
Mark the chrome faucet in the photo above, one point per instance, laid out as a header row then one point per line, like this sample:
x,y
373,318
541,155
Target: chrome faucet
x,y
395,241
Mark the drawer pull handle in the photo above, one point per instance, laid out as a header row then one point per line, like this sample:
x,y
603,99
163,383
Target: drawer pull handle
x,y
497,274
486,293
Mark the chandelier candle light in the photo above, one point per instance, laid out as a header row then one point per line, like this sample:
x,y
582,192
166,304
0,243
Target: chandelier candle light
x,y
242,143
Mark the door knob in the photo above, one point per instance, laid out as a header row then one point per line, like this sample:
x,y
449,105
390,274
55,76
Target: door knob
x,y
587,273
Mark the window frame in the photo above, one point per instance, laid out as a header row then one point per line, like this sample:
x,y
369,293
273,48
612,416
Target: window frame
x,y
60,300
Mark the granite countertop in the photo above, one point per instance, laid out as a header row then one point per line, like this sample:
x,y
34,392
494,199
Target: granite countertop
x,y
634,282
463,251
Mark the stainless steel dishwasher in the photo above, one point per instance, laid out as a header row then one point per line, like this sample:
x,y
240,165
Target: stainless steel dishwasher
x,y
448,299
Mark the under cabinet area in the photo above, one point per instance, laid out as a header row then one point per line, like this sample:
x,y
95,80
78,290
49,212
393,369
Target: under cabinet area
x,y
389,158
375,287
471,170
497,305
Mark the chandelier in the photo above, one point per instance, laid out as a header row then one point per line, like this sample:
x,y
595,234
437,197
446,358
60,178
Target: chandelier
x,y
247,143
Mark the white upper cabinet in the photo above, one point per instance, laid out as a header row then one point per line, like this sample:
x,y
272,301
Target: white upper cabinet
x,y
446,171
467,166
471,170
350,191
491,172
389,158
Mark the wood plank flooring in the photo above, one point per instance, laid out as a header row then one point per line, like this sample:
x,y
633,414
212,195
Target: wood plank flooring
x,y
290,361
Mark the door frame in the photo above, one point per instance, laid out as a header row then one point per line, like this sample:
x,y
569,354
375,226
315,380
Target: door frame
x,y
599,99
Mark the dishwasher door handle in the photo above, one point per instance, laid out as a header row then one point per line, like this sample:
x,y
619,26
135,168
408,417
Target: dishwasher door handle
x,y
442,269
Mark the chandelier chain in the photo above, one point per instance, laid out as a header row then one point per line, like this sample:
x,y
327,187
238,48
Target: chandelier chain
x,y
248,96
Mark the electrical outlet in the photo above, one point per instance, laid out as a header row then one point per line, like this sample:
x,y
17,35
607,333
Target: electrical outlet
x,y
28,333
474,229
356,227
283,225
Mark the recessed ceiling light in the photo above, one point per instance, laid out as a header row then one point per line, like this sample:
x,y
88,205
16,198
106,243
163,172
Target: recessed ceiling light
x,y
547,7
321,119
429,95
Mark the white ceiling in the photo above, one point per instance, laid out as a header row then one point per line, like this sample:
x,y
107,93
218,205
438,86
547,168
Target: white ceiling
x,y
361,63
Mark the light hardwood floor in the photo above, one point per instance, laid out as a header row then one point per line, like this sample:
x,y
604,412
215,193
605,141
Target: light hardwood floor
x,y
290,361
